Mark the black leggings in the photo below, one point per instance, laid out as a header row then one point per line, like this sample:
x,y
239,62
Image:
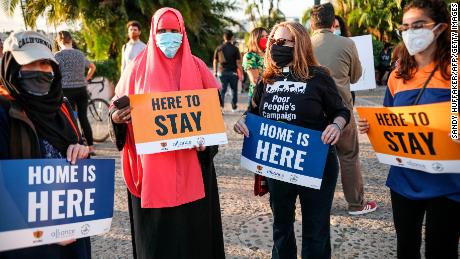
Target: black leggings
x,y
442,226
78,97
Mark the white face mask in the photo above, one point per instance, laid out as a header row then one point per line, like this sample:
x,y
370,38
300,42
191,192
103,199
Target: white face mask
x,y
418,40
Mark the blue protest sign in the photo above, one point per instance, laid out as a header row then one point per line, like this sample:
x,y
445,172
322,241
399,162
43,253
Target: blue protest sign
x,y
45,201
284,152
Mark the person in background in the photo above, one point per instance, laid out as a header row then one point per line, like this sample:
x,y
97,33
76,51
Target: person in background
x,y
289,59
34,123
227,62
419,198
395,55
72,64
385,63
134,46
129,52
341,29
329,49
174,196
253,60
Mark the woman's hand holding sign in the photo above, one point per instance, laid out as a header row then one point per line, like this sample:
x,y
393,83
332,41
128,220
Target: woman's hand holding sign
x,y
76,151
363,125
241,128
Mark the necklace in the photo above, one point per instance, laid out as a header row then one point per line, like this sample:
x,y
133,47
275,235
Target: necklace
x,y
286,72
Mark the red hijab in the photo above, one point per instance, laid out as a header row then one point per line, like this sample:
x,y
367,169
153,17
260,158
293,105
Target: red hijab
x,y
173,178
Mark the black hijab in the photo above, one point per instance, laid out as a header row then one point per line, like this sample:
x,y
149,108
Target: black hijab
x,y
44,111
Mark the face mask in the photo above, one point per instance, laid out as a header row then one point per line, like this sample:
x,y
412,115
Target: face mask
x,y
35,82
169,43
263,43
282,55
418,40
338,32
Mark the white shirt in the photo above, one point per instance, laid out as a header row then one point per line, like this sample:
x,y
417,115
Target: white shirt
x,y
130,51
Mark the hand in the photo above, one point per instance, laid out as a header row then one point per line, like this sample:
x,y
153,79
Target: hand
x,y
240,75
76,151
241,128
88,79
363,125
200,148
331,134
122,116
67,242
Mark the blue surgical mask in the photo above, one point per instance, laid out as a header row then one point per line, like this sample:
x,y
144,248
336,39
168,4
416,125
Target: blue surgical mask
x,y
169,43
338,32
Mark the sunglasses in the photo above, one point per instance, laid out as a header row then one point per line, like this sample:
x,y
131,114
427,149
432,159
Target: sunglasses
x,y
279,41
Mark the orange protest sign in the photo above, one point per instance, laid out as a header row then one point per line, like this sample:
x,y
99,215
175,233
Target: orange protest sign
x,y
415,137
169,121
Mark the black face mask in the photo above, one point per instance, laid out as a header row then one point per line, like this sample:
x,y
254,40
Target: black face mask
x,y
35,82
282,55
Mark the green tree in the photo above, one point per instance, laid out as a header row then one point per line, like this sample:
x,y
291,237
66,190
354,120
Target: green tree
x,y
381,18
257,16
103,21
10,5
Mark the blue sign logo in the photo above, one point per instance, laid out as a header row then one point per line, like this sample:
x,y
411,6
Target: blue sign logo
x,y
284,152
37,193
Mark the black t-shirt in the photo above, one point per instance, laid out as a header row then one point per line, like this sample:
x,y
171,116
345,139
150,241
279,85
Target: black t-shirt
x,y
312,104
230,55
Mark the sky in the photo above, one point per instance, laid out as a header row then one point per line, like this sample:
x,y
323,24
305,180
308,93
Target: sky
x,y
291,8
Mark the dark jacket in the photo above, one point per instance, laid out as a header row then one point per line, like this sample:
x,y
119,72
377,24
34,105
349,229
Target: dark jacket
x,y
23,139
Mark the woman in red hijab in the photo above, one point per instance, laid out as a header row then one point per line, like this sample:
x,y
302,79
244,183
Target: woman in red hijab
x,y
174,198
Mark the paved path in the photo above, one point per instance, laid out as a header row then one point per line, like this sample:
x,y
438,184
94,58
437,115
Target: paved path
x,y
247,219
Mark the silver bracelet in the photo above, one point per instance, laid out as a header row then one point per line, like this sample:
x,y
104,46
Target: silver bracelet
x,y
338,126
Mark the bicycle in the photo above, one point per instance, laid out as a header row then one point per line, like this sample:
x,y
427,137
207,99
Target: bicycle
x,y
98,113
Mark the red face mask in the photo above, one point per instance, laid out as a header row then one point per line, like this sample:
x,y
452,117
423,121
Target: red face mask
x,y
263,43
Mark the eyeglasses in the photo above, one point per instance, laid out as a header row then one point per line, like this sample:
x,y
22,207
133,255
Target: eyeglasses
x,y
416,26
279,41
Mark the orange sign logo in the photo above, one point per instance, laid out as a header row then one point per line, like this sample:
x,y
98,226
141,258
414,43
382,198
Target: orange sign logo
x,y
38,234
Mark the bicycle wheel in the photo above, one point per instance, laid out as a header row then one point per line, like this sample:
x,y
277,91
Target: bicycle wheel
x,y
98,116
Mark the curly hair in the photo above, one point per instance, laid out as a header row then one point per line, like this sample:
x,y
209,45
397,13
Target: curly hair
x,y
438,12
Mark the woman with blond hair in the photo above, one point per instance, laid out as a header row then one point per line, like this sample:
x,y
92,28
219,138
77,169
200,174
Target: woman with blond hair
x,y
253,60
289,60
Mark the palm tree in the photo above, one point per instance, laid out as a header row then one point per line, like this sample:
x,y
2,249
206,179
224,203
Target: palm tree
x,y
255,11
103,22
9,6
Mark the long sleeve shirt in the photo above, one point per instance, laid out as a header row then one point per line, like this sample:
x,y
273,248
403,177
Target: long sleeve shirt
x,y
312,104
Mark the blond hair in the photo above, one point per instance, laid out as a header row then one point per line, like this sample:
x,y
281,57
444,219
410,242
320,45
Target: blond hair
x,y
303,54
254,37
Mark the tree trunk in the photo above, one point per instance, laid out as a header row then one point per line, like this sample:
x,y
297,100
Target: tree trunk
x,y
23,4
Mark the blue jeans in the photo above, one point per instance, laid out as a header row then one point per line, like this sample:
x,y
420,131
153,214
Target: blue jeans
x,y
229,78
316,212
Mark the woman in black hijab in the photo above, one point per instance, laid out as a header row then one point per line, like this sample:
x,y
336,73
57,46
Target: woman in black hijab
x,y
36,122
